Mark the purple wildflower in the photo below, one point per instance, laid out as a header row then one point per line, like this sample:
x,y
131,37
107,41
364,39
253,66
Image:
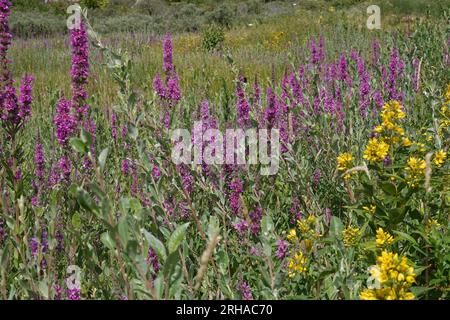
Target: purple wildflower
x,y
26,97
167,54
2,231
39,161
64,121
18,175
114,126
244,288
416,78
35,201
243,109
241,227
66,166
58,292
44,241
125,167
376,53
5,41
364,87
59,239
272,111
159,88
316,176
204,111
80,68
173,88
282,248
156,173
315,54
256,217
152,259
393,74
74,294
186,177
34,246
378,98
237,188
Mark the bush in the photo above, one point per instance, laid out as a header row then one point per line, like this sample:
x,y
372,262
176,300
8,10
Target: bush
x,y
95,4
32,24
213,37
222,15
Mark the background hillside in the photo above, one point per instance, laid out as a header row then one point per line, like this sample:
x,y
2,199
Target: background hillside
x,y
46,17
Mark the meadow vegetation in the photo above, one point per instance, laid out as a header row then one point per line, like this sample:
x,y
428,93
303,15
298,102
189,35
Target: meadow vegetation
x,y
360,205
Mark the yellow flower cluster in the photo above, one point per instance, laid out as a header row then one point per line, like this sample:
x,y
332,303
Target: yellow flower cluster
x,y
444,125
447,94
393,277
389,132
376,150
415,169
433,224
439,158
297,264
306,225
383,238
345,162
350,236
370,209
292,235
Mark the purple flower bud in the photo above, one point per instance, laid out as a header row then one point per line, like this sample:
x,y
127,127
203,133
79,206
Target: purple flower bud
x,y
156,173
244,289
152,259
282,248
39,161
34,246
65,123
243,109
167,54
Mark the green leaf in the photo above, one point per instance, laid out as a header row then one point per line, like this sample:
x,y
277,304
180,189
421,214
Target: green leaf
x,y
336,226
76,221
123,230
133,132
156,245
267,225
176,288
107,240
177,237
85,200
43,289
389,188
213,227
86,137
405,236
78,145
159,286
170,264
102,158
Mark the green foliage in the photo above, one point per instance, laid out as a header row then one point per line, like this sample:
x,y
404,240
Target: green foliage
x,y
95,4
138,234
212,38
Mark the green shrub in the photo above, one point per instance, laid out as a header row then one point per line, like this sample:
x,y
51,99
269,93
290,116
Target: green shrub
x,y
32,24
213,37
95,4
222,15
